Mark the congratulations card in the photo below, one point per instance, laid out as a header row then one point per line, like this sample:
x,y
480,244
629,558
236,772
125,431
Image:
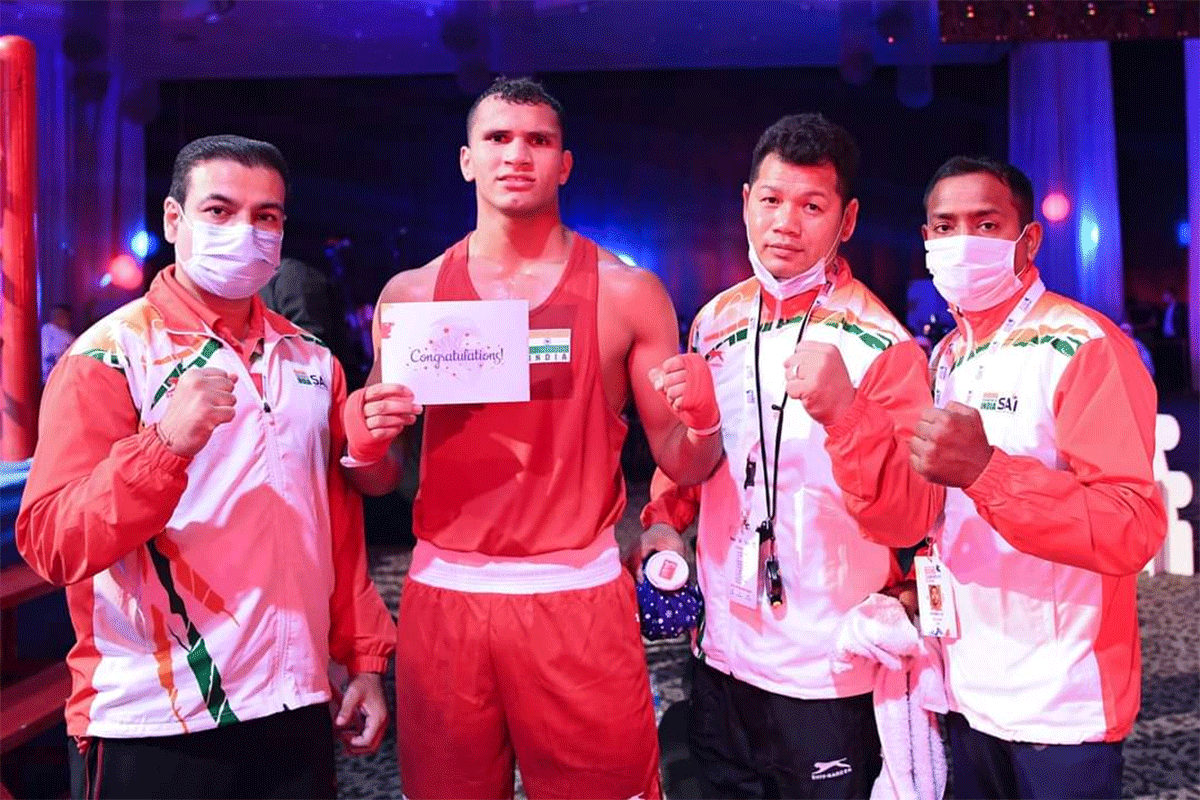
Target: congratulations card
x,y
453,352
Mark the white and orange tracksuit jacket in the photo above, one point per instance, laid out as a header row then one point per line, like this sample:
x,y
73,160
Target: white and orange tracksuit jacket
x,y
1044,548
846,494
208,590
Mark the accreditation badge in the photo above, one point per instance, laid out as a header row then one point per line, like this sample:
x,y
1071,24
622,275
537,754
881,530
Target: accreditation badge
x,y
743,568
935,598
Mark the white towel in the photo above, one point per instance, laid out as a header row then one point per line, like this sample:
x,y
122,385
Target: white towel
x,y
909,688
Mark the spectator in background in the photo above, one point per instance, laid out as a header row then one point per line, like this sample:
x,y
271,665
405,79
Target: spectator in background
x,y
308,293
304,295
57,336
1143,351
359,348
1174,317
924,342
1174,371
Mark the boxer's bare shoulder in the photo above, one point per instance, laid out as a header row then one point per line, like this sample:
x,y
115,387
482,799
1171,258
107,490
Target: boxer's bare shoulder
x,y
637,330
412,285
625,287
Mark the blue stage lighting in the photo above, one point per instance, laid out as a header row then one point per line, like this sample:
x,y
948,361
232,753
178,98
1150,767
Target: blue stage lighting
x,y
143,244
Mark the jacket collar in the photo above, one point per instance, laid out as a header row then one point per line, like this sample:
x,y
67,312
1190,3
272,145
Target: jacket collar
x,y
982,324
183,312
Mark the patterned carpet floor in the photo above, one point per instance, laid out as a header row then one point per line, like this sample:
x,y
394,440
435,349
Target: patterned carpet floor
x,y
1162,754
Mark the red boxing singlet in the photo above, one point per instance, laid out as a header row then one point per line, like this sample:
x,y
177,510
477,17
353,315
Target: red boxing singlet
x,y
523,479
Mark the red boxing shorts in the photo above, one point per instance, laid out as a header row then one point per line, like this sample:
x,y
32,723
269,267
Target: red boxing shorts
x,y
556,681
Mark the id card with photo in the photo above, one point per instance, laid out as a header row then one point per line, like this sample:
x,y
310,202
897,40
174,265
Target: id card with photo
x,y
935,598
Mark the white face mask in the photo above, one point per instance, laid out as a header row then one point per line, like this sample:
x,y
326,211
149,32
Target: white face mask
x,y
231,261
810,278
973,273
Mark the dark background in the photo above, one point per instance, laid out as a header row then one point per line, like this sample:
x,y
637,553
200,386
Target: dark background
x,y
660,160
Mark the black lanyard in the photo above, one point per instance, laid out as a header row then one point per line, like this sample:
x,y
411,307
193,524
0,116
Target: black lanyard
x,y
766,530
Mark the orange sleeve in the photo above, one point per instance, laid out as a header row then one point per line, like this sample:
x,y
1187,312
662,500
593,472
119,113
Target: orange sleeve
x,y
98,488
868,446
361,632
670,503
1103,511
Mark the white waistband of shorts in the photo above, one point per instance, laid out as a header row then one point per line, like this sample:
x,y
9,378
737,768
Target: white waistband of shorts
x,y
558,571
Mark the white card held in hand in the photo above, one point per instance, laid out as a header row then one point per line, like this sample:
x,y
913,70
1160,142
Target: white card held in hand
x,y
453,352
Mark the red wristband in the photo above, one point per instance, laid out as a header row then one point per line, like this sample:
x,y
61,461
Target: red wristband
x,y
360,444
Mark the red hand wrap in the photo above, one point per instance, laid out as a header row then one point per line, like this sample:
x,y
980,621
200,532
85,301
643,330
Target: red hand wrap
x,y
698,406
360,444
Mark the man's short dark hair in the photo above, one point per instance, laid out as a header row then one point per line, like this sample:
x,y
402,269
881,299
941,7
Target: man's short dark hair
x,y
62,307
1017,181
522,91
809,140
225,147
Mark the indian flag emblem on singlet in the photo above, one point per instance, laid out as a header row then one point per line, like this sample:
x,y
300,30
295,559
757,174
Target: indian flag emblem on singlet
x,y
550,346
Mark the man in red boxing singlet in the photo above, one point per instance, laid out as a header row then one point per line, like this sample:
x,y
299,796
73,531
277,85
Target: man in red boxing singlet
x,y
518,635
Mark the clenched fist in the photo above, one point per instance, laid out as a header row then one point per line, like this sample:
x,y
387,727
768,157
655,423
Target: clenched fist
x,y
201,400
374,416
687,384
949,446
817,377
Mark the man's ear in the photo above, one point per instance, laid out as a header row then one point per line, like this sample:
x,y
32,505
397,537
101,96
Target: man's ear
x,y
1033,239
171,214
564,172
464,164
851,221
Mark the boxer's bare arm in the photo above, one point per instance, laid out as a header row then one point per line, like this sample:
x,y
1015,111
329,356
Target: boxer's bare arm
x,y
410,286
637,310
